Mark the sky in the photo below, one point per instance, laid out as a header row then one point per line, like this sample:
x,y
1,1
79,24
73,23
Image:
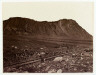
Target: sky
x,y
81,12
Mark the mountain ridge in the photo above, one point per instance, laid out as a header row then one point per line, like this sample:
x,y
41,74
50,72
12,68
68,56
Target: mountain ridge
x,y
65,28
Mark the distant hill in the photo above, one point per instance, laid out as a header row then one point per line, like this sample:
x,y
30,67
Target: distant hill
x,y
64,28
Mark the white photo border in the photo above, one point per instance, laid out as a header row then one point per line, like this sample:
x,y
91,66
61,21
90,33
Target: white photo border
x,y
1,40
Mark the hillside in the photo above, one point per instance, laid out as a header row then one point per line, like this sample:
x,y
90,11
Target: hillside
x,y
64,28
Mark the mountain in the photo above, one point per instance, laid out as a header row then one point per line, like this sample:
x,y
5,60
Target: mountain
x,y
63,28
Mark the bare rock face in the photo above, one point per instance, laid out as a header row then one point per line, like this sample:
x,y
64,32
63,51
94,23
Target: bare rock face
x,y
64,28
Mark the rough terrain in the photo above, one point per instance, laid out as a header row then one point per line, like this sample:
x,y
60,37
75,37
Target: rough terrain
x,y
24,39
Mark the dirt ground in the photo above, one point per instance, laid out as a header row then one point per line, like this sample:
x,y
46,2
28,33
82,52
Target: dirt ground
x,y
77,55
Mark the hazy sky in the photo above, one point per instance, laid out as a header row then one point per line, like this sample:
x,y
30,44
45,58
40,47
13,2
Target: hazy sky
x,y
82,12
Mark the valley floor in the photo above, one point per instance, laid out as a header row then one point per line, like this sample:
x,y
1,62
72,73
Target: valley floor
x,y
77,57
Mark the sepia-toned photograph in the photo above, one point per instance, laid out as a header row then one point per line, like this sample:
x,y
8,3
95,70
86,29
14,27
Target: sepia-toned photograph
x,y
48,37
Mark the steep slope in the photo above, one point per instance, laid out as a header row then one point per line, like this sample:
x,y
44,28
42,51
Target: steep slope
x,y
65,28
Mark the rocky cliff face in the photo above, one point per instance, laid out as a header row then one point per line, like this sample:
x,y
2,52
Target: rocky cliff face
x,y
65,28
